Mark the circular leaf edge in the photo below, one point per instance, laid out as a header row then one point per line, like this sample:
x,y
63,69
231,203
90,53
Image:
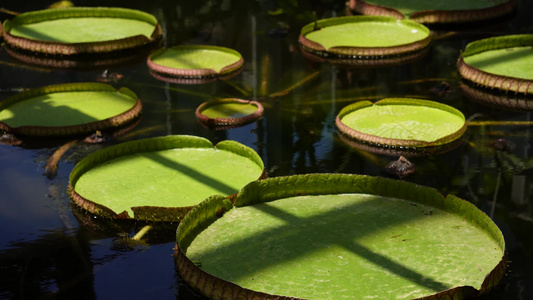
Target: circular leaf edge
x,y
208,211
400,144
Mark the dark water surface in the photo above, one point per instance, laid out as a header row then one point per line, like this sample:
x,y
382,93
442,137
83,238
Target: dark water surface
x,y
49,250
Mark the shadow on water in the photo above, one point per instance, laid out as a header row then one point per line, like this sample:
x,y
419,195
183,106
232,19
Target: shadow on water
x,y
296,135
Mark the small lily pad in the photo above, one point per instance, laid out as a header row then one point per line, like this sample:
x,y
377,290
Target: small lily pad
x,y
402,123
81,30
195,61
503,63
229,112
161,179
364,37
336,236
429,12
68,109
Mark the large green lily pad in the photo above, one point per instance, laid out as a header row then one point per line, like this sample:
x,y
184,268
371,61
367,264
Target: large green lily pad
x,y
335,236
449,11
504,63
81,30
364,36
195,61
402,123
160,179
68,109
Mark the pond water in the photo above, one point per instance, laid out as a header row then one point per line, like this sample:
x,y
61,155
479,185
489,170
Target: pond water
x,y
50,250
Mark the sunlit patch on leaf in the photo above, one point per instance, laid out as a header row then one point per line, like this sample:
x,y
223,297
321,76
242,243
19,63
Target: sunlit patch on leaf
x,y
334,236
377,37
502,63
402,123
81,30
194,62
228,113
160,179
68,109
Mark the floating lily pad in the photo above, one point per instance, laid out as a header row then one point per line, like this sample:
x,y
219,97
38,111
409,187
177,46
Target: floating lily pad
x,y
335,236
81,30
402,123
364,37
428,12
503,63
195,61
160,179
229,112
68,109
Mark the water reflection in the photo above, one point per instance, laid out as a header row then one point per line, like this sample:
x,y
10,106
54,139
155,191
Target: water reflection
x,y
296,135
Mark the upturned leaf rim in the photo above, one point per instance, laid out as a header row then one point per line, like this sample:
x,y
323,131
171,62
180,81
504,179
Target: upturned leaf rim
x,y
435,16
275,188
149,213
229,122
362,52
111,123
490,80
82,48
168,73
400,144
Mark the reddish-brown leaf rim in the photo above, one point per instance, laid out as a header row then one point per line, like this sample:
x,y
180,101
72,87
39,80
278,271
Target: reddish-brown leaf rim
x,y
366,63
360,52
436,16
217,288
494,81
391,143
194,73
228,122
141,213
112,123
61,48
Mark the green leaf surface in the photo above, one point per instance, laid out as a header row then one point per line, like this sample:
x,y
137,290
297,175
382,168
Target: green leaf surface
x,y
174,171
229,110
409,119
407,7
512,62
193,57
368,32
294,236
83,30
82,24
65,105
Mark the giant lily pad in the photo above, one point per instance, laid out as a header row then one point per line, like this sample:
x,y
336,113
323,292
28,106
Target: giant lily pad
x,y
228,112
68,109
335,236
160,179
449,11
503,63
195,61
364,37
81,30
402,123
